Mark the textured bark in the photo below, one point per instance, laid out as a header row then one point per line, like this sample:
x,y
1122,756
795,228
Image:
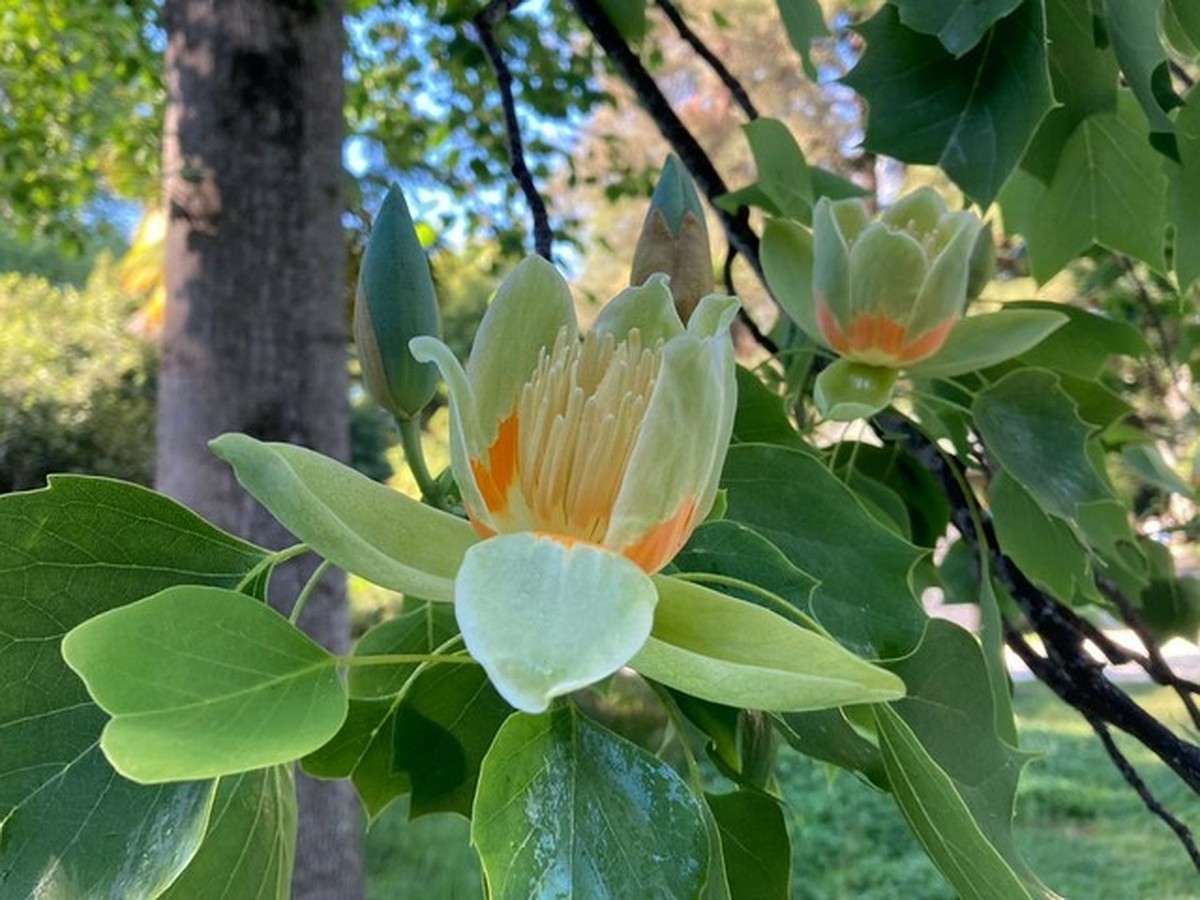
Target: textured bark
x,y
255,338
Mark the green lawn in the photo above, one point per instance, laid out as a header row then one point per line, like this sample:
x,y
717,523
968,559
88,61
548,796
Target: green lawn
x,y
1080,827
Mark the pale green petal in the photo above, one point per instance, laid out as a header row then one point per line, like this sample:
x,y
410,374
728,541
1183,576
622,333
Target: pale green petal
x,y
681,448
831,261
848,390
919,210
650,308
530,308
787,261
466,442
945,290
713,316
887,270
545,619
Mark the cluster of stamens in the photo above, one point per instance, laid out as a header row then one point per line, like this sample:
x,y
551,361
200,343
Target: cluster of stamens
x,y
579,416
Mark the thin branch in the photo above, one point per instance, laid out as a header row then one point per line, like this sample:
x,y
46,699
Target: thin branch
x,y
1067,668
485,21
702,50
1155,663
627,64
727,270
1120,761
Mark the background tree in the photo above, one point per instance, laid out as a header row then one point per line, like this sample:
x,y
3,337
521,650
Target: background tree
x,y
255,336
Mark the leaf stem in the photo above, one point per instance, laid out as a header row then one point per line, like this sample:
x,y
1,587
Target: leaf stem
x,y
399,659
308,590
272,559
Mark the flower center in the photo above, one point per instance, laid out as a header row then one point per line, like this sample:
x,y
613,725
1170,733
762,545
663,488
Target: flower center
x,y
578,418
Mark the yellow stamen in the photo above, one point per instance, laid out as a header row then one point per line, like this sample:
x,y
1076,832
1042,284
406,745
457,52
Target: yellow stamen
x,y
578,419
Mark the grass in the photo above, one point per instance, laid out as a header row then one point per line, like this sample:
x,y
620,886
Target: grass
x,y
1079,826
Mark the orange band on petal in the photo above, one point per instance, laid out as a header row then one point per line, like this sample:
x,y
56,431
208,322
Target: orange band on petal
x,y
656,547
496,476
928,343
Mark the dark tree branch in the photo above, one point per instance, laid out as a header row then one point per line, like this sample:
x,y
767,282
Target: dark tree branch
x,y
702,50
627,64
1067,668
485,23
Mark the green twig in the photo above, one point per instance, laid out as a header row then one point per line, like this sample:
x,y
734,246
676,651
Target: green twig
x,y
309,589
414,455
400,659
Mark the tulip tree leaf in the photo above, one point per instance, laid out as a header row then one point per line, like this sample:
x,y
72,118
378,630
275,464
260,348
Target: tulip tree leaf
x,y
1032,428
952,776
722,649
1180,23
1185,192
760,416
356,523
794,502
566,808
250,845
363,750
978,342
68,823
1084,75
783,187
959,26
804,22
940,819
1143,62
444,727
1150,467
973,115
236,686
754,844
826,735
1108,189
1083,346
1043,546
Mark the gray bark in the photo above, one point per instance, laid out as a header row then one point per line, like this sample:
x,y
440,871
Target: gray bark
x,y
255,332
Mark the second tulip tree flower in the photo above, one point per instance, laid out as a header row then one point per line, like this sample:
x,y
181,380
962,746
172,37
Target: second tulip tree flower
x,y
584,464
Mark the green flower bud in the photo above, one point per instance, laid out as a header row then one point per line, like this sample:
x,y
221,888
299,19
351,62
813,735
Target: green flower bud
x,y
888,292
394,303
674,240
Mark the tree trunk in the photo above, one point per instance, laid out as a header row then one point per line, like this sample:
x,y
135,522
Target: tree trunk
x,y
255,324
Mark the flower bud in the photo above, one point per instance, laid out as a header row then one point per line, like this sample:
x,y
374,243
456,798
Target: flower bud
x,y
394,303
674,240
888,292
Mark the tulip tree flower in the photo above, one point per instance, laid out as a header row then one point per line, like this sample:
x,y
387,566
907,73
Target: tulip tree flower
x,y
585,464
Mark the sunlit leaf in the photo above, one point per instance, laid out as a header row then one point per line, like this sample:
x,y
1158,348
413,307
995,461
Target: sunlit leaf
x,y
1108,189
76,549
235,686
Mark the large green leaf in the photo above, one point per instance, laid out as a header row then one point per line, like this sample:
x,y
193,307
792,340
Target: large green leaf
x,y
235,686
1143,62
565,808
1083,346
364,750
793,501
827,735
974,115
754,845
1042,546
1031,427
1185,192
783,187
721,649
444,727
953,777
356,523
940,819
760,416
76,549
250,845
1083,73
1108,189
959,26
